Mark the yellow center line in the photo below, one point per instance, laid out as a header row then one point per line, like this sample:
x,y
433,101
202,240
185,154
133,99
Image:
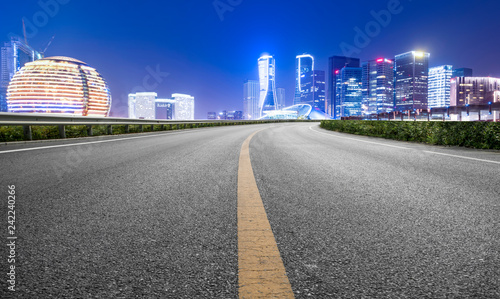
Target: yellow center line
x,y
261,273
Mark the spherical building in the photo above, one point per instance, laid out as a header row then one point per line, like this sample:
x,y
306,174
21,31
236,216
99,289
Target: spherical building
x,y
59,85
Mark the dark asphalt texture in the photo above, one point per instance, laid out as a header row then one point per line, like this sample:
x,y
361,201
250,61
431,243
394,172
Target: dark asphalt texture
x,y
155,216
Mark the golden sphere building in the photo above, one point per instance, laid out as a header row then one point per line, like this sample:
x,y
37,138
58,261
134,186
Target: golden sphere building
x,y
59,85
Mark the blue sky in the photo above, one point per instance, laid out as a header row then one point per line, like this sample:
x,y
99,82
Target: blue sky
x,y
209,57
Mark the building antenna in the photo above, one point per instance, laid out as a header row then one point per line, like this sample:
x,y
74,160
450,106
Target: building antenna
x,y
24,31
48,45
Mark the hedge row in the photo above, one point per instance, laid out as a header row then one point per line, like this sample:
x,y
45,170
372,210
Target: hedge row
x,y
482,135
15,133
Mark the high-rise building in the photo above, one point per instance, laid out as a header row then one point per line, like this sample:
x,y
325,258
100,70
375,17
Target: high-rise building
x,y
280,98
462,72
411,80
378,86
439,86
336,63
251,95
234,115
349,91
313,89
142,105
184,106
13,56
267,79
164,109
303,64
474,91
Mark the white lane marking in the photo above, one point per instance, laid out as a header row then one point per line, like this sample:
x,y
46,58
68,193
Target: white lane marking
x,y
377,143
92,142
463,157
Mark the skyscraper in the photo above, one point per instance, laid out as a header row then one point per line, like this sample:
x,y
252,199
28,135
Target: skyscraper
x,y
349,91
411,80
184,106
280,97
13,56
378,86
251,94
439,86
267,79
313,89
462,72
303,64
335,63
142,105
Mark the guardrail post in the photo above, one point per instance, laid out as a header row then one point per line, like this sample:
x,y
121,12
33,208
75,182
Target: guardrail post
x,y
27,133
62,131
162,127
152,128
110,130
141,128
127,129
90,132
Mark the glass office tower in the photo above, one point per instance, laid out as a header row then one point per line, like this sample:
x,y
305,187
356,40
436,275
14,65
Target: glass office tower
x,y
411,81
267,79
378,86
439,86
335,63
251,94
280,97
349,91
303,64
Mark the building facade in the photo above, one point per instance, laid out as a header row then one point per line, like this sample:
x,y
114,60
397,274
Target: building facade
x,y
164,109
184,106
439,86
378,86
474,91
349,91
335,64
462,72
303,64
142,105
251,95
280,98
411,81
13,56
212,115
59,85
267,80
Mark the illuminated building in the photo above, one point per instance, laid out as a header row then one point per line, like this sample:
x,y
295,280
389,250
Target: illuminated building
x,y
142,105
336,63
378,86
59,85
267,79
303,65
411,80
299,111
251,94
462,72
164,109
211,115
184,106
349,91
13,56
280,98
439,86
474,91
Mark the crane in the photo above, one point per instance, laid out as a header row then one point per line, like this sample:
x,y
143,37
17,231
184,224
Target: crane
x,y
46,47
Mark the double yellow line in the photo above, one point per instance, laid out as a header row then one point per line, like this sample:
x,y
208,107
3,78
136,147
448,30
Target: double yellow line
x,y
261,273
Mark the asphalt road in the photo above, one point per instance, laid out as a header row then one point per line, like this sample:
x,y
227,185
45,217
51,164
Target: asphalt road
x,y
155,215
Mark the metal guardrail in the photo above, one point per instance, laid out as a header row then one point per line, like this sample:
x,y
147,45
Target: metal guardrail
x,y
27,120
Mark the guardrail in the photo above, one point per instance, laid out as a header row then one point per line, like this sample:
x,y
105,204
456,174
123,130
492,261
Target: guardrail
x,y
27,120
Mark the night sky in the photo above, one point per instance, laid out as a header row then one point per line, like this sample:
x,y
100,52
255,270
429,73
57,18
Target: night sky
x,y
209,57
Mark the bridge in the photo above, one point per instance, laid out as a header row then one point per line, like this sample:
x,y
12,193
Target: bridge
x,y
278,210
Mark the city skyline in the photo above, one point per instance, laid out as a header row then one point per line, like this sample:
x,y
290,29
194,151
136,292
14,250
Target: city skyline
x,y
135,57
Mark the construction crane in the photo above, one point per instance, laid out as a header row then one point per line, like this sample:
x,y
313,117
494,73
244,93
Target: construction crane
x,y
24,31
46,47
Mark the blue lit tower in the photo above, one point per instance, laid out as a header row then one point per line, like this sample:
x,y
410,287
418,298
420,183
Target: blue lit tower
x,y
411,72
335,63
349,91
267,79
304,64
